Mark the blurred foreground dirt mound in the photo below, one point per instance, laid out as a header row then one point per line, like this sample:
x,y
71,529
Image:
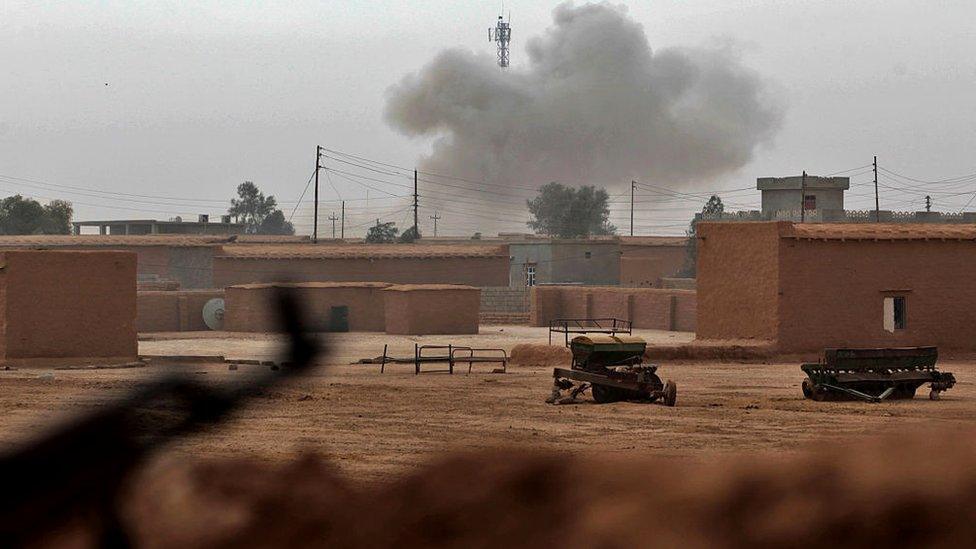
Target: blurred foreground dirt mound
x,y
917,491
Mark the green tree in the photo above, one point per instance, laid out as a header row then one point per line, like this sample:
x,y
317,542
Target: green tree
x,y
251,207
712,207
382,233
275,223
566,212
57,217
19,215
409,235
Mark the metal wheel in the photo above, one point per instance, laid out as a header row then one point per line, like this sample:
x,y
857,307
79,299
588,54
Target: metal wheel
x,y
807,387
605,395
670,393
813,391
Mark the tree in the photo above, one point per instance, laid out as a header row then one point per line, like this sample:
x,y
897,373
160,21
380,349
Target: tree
x,y
409,235
566,212
57,217
251,207
712,207
382,233
19,215
275,223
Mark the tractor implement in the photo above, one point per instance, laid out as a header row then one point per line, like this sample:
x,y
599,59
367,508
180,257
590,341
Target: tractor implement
x,y
874,375
611,368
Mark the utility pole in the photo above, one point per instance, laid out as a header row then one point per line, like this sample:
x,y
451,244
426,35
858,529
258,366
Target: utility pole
x,y
928,203
803,197
333,219
877,202
342,233
416,227
435,217
633,185
315,222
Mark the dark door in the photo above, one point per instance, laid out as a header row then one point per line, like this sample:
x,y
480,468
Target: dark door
x,y
339,318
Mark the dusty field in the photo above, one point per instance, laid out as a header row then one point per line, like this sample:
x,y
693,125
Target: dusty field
x,y
376,425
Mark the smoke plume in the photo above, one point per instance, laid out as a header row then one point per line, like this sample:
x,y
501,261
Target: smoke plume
x,y
593,105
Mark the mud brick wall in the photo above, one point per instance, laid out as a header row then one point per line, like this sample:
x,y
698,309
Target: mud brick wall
x,y
67,307
432,309
173,311
472,271
738,280
647,308
814,286
545,304
645,266
504,300
685,317
251,307
832,293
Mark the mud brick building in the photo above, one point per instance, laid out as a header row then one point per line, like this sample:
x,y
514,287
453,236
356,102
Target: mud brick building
x,y
806,287
173,310
646,260
329,306
186,261
67,308
431,309
393,263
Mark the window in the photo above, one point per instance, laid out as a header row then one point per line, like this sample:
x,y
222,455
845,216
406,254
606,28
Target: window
x,y
587,255
810,202
894,313
530,275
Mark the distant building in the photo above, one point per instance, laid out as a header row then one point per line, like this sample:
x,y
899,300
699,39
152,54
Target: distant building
x,y
781,194
203,225
591,262
647,261
185,260
471,265
636,261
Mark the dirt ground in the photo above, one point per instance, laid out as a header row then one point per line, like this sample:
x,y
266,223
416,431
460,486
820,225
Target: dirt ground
x,y
375,426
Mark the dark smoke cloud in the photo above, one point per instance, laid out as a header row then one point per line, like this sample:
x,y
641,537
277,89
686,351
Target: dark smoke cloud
x,y
594,105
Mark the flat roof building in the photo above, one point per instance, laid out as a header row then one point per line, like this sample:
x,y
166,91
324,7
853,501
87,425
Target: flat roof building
x,y
203,225
395,263
806,287
783,194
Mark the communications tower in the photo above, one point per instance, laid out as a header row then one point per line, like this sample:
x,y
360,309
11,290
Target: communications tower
x,y
501,35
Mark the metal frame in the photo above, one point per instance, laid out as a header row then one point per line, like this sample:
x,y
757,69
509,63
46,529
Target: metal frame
x,y
621,370
473,356
611,326
891,372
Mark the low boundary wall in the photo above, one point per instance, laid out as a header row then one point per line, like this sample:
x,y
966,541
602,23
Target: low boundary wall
x,y
647,308
250,307
173,311
432,309
371,307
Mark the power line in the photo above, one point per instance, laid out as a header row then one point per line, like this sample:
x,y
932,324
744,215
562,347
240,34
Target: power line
x,y
299,203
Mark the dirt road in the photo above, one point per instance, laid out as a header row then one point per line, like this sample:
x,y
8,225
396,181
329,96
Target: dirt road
x,y
374,425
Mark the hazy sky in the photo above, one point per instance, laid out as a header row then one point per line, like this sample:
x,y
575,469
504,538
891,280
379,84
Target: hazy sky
x,y
178,102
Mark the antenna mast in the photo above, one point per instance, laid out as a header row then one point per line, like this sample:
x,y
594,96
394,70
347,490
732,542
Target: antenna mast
x,y
501,35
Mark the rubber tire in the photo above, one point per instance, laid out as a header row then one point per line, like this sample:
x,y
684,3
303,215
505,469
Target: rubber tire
x,y
816,393
807,388
934,395
670,393
605,395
